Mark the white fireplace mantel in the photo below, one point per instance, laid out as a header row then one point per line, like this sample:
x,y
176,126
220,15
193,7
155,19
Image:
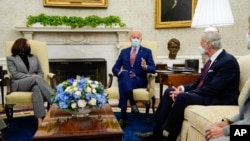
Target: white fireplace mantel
x,y
79,43
121,33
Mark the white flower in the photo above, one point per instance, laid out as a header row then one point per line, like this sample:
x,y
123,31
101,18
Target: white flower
x,y
73,105
90,81
92,101
74,88
94,85
78,93
68,89
93,90
81,103
74,83
88,89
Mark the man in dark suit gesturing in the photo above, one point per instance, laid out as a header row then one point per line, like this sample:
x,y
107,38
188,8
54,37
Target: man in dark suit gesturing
x,y
217,85
131,68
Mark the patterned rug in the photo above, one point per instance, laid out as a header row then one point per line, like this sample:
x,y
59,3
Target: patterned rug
x,y
19,111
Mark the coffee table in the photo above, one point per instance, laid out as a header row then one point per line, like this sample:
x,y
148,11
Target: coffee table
x,y
59,125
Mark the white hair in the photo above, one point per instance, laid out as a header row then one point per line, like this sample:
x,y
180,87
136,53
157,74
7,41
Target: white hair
x,y
211,29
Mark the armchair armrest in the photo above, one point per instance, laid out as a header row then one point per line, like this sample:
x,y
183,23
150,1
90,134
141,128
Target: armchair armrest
x,y
110,80
7,80
150,76
52,77
151,80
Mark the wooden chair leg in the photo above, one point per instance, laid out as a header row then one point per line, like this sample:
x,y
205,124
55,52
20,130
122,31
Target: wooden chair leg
x,y
147,112
9,111
153,104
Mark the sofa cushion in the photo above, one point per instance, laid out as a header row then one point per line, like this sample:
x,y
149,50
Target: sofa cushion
x,y
200,117
19,97
244,71
244,91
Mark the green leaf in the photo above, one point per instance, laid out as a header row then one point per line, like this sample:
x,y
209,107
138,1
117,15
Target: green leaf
x,y
73,21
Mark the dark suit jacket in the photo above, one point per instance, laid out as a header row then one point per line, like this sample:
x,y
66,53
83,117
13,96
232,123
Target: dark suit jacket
x,y
123,62
221,85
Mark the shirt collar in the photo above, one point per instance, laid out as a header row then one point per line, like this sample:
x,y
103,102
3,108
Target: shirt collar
x,y
215,55
135,48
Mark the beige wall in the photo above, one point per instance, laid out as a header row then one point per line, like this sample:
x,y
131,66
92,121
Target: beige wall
x,y
137,14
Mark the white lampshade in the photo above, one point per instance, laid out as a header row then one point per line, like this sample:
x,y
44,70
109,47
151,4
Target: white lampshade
x,y
212,13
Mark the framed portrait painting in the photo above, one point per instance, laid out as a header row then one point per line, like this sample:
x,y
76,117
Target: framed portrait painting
x,y
76,3
174,13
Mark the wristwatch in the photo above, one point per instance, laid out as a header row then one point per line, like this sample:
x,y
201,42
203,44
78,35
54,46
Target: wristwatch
x,y
226,120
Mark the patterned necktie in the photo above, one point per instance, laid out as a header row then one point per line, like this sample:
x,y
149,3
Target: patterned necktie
x,y
132,57
204,74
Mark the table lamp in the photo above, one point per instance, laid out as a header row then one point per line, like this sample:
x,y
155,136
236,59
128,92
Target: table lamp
x,y
212,13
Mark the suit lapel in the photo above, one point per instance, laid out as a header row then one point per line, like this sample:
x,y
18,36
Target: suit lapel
x,y
218,58
139,54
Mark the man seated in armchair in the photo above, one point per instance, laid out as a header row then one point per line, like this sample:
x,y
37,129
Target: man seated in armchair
x,y
131,69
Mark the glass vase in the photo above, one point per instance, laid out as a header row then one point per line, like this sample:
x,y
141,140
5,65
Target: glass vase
x,y
81,112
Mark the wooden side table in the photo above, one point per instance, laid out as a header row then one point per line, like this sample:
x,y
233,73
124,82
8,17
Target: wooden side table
x,y
176,79
160,67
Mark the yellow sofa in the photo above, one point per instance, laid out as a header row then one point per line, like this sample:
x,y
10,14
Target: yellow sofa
x,y
197,118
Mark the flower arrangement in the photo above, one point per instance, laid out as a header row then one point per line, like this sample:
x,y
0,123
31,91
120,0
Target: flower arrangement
x,y
79,92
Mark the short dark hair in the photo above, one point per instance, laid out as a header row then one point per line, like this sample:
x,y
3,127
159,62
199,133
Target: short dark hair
x,y
18,46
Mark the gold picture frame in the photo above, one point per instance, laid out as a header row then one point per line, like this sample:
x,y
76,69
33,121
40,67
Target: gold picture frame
x,y
169,15
76,3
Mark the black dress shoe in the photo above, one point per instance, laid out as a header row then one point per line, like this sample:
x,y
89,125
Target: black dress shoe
x,y
144,135
149,136
147,121
134,109
123,123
